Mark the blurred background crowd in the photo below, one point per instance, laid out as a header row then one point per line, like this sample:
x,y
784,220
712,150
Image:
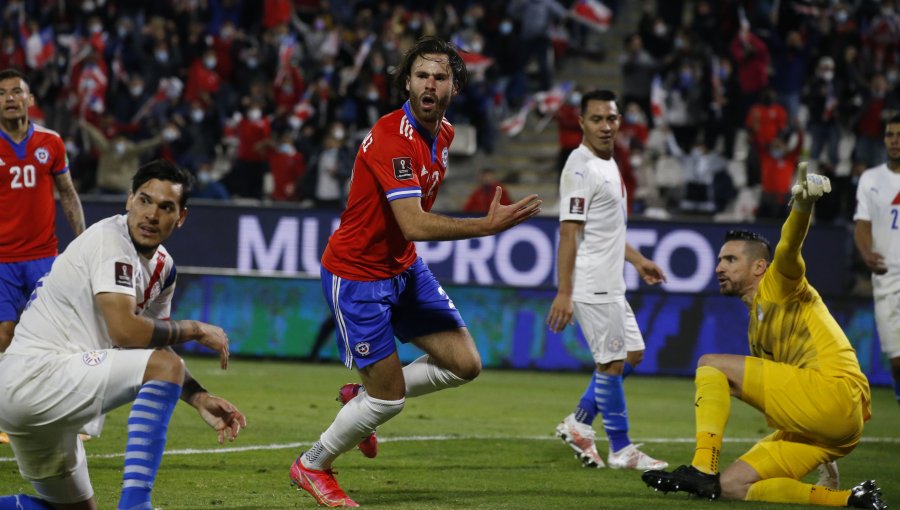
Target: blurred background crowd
x,y
267,100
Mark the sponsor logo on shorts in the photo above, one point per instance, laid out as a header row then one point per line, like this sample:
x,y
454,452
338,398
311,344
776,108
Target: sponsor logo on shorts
x,y
615,344
576,205
93,358
362,348
403,170
124,274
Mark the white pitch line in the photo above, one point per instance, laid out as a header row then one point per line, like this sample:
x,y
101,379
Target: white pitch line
x,y
288,446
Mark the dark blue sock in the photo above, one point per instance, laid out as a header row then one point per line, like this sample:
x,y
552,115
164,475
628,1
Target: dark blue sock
x,y
23,502
610,398
147,426
897,389
586,411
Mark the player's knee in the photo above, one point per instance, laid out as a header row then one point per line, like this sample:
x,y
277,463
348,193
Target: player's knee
x,y
733,488
6,334
469,369
164,365
634,357
707,360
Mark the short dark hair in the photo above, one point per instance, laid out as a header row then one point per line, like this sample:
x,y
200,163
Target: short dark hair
x,y
164,170
757,243
597,95
893,120
424,46
12,72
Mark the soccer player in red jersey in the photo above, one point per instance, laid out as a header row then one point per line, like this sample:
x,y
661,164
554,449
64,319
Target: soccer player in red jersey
x,y
32,160
376,285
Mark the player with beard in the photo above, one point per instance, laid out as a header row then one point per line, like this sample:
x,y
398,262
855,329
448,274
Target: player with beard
x,y
96,335
802,374
376,285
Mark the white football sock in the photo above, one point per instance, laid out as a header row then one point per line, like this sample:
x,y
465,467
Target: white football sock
x,y
423,377
354,422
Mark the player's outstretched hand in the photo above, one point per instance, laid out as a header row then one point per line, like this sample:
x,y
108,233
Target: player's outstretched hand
x,y
502,217
650,272
561,313
221,415
215,338
809,188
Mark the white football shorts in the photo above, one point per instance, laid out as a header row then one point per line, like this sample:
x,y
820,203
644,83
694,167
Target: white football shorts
x,y
610,329
47,399
887,320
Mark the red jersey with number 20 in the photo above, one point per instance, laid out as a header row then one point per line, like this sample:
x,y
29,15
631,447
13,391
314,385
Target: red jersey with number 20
x,y
28,231
397,159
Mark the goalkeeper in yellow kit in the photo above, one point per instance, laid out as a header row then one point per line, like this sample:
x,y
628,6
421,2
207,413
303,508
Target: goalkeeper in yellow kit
x,y
802,374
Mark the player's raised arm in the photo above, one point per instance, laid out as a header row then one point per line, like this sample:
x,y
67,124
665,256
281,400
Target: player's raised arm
x,y
809,188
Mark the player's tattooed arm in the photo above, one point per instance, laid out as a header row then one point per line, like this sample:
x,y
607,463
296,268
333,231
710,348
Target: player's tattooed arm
x,y
167,333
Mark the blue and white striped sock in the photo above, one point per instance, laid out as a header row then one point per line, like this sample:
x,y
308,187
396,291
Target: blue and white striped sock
x,y
610,399
586,411
147,425
23,502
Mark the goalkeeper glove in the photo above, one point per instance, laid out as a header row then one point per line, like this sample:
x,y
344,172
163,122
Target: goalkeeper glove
x,y
809,188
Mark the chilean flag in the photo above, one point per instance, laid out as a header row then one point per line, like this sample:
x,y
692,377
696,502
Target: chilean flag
x,y
514,125
593,14
39,47
657,100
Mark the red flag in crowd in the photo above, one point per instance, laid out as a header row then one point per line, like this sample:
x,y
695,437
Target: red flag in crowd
x,y
593,14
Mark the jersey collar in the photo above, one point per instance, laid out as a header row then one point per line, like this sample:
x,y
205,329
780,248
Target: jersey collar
x,y
19,148
426,136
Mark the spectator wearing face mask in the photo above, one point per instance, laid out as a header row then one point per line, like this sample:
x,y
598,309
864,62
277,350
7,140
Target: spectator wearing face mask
x,y
251,162
638,68
203,80
821,97
287,166
163,61
328,170
207,186
119,157
777,164
200,132
869,124
569,128
128,99
764,121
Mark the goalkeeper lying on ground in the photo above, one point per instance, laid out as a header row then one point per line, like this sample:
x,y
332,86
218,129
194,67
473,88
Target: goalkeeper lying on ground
x,y
802,374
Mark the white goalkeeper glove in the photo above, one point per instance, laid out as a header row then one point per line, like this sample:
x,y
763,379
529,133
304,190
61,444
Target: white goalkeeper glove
x,y
809,188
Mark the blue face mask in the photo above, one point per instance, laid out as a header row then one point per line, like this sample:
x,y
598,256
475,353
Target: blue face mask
x,y
506,27
777,153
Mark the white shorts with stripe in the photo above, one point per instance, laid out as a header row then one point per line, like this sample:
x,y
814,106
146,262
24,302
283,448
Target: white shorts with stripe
x,y
610,329
47,399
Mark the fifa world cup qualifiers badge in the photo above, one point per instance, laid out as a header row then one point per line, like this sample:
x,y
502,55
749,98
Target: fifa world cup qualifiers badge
x,y
124,275
402,169
576,205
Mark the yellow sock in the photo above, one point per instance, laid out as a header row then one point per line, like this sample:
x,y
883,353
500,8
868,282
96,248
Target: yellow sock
x,y
712,405
788,490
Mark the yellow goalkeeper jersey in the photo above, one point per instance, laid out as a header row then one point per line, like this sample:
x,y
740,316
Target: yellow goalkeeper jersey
x,y
789,322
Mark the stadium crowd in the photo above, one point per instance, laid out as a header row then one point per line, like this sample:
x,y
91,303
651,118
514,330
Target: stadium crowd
x,y
236,91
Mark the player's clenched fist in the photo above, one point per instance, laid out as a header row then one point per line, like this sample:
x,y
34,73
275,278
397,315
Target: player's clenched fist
x,y
809,188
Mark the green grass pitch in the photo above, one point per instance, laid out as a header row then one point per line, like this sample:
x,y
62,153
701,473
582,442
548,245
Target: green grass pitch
x,y
486,445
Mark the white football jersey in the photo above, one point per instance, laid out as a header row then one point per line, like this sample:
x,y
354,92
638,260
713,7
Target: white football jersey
x,y
62,316
592,192
878,201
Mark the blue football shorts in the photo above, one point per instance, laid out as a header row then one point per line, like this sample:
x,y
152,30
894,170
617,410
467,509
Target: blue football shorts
x,y
17,281
368,315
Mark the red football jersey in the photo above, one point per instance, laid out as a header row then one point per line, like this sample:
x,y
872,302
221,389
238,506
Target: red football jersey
x,y
28,231
397,159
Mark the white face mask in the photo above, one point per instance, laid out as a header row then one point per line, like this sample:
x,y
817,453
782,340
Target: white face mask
x,y
205,177
254,114
286,148
169,134
209,62
197,115
119,147
294,122
136,90
828,75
